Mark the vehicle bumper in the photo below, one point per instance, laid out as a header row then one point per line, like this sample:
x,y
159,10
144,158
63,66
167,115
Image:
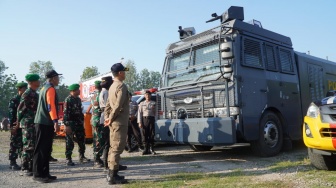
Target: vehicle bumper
x,y
204,131
319,141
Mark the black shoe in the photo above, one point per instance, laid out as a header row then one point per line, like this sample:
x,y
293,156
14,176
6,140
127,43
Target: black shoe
x,y
113,178
140,148
69,162
42,180
52,177
122,167
98,163
51,159
26,173
151,151
14,166
83,159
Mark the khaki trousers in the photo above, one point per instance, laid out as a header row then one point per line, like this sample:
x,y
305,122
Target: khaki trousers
x,y
118,136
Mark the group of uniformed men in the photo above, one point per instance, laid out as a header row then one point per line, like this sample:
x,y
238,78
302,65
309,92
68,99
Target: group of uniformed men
x,y
33,120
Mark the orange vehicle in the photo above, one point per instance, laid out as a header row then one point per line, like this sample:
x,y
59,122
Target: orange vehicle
x,y
87,124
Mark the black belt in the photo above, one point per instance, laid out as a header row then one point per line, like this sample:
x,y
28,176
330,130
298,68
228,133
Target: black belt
x,y
148,117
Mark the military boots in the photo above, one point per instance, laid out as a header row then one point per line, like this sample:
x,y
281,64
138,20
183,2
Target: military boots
x,y
98,162
113,178
13,165
69,162
83,159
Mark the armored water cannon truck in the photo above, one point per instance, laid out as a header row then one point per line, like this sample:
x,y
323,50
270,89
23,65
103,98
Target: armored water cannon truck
x,y
238,82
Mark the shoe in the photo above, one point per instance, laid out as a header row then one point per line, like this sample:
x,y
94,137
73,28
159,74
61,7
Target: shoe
x,y
14,166
83,159
52,177
26,173
145,151
140,148
122,167
130,150
42,180
113,178
98,163
51,159
151,150
69,162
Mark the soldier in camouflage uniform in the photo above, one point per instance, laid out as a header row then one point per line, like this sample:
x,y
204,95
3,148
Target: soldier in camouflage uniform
x,y
26,115
74,125
98,128
16,133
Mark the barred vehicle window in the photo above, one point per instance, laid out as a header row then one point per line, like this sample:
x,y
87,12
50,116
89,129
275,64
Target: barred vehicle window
x,y
270,58
179,62
207,54
286,61
252,53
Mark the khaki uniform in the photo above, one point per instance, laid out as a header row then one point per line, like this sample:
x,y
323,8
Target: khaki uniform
x,y
146,116
117,110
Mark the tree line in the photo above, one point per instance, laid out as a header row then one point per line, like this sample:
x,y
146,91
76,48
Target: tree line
x,y
134,80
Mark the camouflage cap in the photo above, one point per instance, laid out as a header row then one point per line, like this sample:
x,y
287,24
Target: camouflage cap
x,y
32,77
97,83
73,87
21,84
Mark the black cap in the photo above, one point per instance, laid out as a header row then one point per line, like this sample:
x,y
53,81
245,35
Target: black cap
x,y
118,67
51,73
148,92
107,79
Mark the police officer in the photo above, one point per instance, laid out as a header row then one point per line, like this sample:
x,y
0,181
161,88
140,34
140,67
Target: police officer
x,y
116,117
16,132
146,120
105,84
26,115
98,141
74,125
133,127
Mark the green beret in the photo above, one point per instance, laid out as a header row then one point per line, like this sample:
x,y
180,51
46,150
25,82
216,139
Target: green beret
x,y
97,83
73,87
32,77
21,84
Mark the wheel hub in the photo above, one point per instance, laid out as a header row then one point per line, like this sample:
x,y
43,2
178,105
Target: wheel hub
x,y
271,134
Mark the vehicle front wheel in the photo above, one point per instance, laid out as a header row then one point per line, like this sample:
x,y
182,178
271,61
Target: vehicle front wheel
x,y
201,148
322,162
270,136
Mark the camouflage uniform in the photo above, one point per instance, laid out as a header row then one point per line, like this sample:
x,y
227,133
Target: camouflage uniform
x,y
26,115
74,118
16,139
98,128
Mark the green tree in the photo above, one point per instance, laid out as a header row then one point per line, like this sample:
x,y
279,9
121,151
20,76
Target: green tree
x,y
62,92
89,72
40,68
132,77
155,78
7,88
144,79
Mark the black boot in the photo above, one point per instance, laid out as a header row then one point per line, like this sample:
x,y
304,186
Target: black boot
x,y
51,159
69,162
145,150
98,162
130,149
113,178
83,159
151,149
140,148
13,165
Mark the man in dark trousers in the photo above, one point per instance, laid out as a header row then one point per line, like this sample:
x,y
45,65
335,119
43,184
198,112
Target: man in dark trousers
x,y
46,123
74,125
146,120
133,127
15,146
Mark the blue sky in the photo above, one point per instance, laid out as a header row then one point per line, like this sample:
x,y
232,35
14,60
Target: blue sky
x,y
79,33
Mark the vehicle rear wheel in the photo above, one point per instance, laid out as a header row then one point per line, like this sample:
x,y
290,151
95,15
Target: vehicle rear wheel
x,y
201,148
322,162
270,136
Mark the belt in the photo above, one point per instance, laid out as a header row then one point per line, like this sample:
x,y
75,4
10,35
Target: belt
x,y
148,117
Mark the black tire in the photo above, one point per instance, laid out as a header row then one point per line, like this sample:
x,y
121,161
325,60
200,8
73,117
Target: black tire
x,y
322,162
270,136
201,148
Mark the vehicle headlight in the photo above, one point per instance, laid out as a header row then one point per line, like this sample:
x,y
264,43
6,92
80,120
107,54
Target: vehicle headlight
x,y
313,111
221,112
308,131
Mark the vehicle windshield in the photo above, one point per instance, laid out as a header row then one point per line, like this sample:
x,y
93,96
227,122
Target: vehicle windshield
x,y
135,97
202,64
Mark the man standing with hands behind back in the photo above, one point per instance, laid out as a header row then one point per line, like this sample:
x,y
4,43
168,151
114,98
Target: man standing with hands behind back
x,y
46,123
116,116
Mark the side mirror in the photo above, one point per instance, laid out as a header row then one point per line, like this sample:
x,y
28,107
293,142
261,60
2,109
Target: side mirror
x,y
226,49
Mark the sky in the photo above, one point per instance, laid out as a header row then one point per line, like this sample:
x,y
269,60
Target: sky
x,y
81,33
